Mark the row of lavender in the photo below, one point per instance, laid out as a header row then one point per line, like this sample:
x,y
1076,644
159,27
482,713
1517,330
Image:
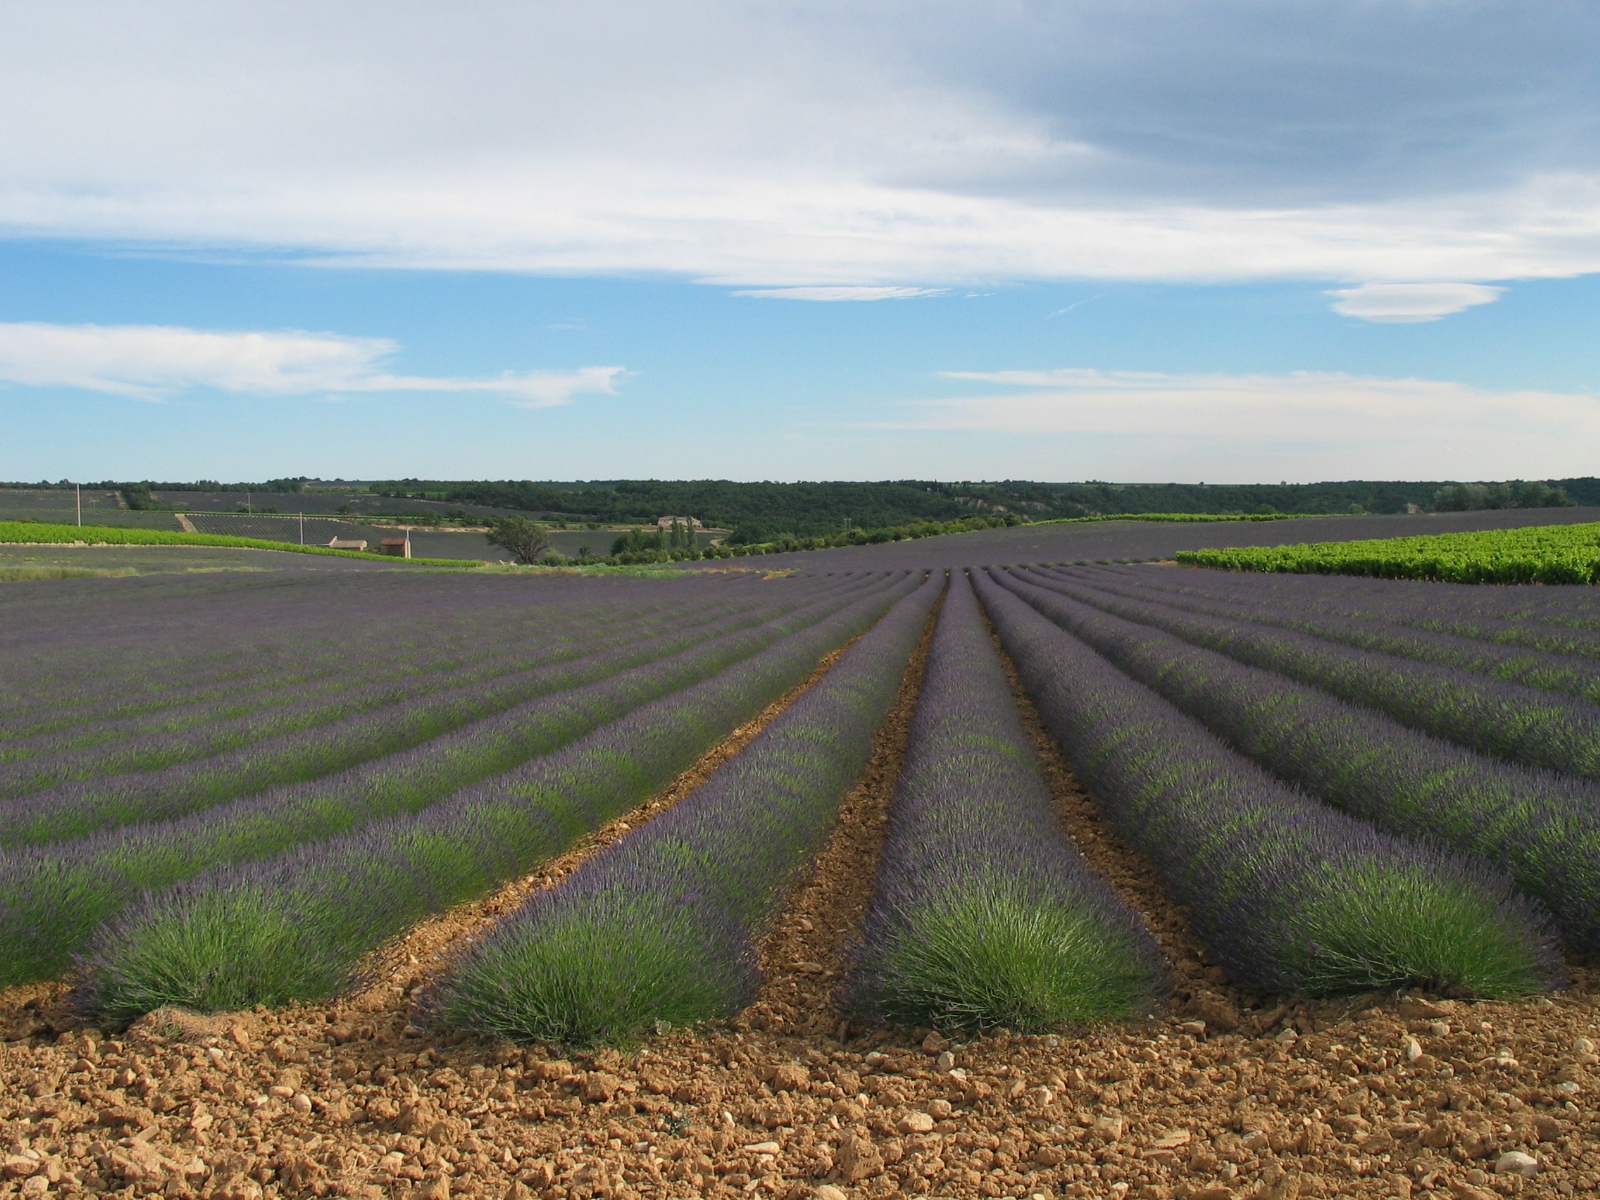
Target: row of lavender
x,y
983,912
501,721
53,896
1384,630
1291,895
1553,619
664,925
175,640
257,701
1529,725
1540,826
267,704
295,925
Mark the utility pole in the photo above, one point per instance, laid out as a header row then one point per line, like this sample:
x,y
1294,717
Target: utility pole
x,y
78,488
302,529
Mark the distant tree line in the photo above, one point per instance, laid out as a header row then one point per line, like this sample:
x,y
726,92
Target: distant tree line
x,y
1468,497
759,513
764,513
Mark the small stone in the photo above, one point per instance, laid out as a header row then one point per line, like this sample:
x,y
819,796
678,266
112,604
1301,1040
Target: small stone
x,y
1108,1128
18,1167
945,1063
598,1086
915,1122
1582,1046
933,1043
433,1189
858,1159
790,1077
1195,1029
301,1104
36,1186
1515,1162
765,1148
940,1109
1569,1088
1217,1014
828,1192
1172,1139
1413,1050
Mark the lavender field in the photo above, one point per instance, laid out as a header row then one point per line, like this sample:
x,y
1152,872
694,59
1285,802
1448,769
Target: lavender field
x,y
229,789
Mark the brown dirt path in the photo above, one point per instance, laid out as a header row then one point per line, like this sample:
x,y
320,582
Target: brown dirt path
x,y
803,957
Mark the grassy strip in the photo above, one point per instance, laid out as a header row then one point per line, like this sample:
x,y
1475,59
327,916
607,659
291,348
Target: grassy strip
x,y
21,574
1491,716
663,925
296,926
1292,896
52,897
984,913
1540,554
1544,829
104,535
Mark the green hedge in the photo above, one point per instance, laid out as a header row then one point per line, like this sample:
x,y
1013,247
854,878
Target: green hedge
x,y
101,535
1538,554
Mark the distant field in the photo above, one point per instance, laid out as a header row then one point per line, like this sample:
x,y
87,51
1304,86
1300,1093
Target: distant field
x,y
23,561
32,532
1143,541
1539,554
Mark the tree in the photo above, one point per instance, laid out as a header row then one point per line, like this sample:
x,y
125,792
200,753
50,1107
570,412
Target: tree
x,y
527,540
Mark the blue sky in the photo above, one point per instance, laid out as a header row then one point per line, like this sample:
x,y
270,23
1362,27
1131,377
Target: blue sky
x,y
1200,241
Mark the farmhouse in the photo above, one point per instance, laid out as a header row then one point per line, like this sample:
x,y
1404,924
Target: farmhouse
x,y
669,522
400,547
347,544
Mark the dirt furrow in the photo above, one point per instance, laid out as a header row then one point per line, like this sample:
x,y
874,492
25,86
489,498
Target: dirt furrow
x,y
803,957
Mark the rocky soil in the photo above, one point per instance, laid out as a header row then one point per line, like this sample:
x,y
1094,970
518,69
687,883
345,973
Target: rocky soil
x,y
1222,1097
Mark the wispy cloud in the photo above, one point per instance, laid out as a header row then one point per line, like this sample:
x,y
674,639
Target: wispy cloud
x,y
1303,424
841,293
1410,303
150,362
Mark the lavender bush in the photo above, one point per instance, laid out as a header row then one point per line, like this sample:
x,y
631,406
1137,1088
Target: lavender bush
x,y
1291,896
663,926
984,913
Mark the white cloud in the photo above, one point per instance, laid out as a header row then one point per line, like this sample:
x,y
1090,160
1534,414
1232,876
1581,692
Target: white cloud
x,y
1409,303
1302,425
781,145
152,361
841,293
